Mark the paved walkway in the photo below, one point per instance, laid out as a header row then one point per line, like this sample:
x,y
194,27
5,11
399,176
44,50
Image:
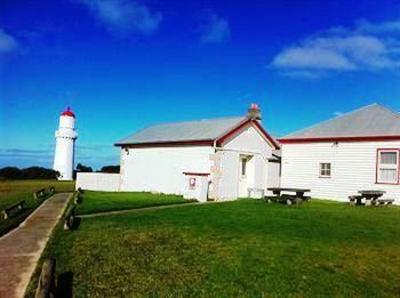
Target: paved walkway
x,y
21,248
105,213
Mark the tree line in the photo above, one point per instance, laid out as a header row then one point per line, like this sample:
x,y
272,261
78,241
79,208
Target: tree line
x,y
44,173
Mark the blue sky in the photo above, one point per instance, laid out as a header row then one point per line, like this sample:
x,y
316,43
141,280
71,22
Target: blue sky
x,y
125,64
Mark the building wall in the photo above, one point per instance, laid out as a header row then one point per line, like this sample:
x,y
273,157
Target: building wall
x,y
274,174
247,142
353,168
98,181
161,169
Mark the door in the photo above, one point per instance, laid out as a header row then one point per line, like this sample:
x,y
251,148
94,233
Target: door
x,y
243,173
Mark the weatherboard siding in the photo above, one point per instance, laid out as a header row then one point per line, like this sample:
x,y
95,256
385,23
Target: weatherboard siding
x,y
353,168
161,169
247,142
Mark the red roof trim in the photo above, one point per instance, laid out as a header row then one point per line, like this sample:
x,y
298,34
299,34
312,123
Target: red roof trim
x,y
168,144
68,112
235,130
196,174
339,139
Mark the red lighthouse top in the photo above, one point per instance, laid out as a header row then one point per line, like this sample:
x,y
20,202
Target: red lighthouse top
x,y
68,112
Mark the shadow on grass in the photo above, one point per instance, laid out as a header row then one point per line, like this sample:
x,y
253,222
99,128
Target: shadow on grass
x,y
64,285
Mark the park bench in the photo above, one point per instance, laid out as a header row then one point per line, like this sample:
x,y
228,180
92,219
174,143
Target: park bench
x,y
382,202
13,209
39,194
43,193
69,218
296,198
355,200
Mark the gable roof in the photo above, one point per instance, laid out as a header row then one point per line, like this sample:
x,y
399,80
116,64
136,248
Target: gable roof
x,y
191,132
370,122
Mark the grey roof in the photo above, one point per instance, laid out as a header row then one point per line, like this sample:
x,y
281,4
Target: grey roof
x,y
207,129
371,120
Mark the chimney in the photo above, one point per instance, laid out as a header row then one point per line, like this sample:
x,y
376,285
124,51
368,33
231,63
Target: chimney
x,y
254,112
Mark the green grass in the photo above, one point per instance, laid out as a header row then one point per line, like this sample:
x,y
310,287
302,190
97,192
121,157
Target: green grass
x,y
94,201
245,248
12,191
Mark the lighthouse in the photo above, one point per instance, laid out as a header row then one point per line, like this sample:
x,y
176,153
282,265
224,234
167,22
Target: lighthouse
x,y
65,145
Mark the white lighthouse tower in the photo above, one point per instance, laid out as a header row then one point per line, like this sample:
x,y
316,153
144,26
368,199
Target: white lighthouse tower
x,y
65,145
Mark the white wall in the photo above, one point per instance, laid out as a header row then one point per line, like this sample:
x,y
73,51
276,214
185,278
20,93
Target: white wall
x,y
247,142
273,177
161,169
98,181
353,168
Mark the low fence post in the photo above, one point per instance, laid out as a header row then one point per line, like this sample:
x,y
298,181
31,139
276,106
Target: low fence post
x,y
47,284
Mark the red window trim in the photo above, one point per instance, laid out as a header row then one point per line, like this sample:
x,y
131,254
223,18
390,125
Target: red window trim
x,y
377,165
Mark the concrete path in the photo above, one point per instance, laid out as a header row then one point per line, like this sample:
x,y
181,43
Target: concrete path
x,y
106,213
21,248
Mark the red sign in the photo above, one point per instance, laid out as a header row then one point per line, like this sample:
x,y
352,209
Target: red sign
x,y
192,182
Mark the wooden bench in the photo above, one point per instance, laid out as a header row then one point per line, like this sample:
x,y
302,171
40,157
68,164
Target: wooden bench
x,y
69,218
39,194
44,193
52,190
356,199
11,210
382,202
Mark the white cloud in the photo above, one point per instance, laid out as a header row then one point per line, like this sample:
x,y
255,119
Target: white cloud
x,y
125,16
215,29
338,114
7,42
367,47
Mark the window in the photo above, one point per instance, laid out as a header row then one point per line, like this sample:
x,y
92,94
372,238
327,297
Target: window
x,y
325,170
388,166
243,168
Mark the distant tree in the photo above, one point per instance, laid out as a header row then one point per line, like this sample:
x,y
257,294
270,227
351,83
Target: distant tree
x,y
39,173
81,168
10,173
110,169
28,173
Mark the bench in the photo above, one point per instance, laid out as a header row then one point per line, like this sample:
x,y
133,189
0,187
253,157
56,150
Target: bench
x,y
39,194
382,202
43,193
9,211
69,218
356,199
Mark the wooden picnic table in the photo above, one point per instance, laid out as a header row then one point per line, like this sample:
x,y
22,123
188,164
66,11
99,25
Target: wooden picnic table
x,y
370,196
299,191
289,199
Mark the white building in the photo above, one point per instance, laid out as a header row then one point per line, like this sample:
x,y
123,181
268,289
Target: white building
x,y
337,158
220,159
66,136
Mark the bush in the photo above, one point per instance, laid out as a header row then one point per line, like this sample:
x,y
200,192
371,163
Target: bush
x,y
110,169
28,173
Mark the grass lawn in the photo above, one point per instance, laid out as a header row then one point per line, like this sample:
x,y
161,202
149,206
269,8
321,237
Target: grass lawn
x,y
242,248
94,201
12,191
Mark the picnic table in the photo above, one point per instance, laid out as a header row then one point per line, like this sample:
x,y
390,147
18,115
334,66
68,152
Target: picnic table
x,y
289,199
370,196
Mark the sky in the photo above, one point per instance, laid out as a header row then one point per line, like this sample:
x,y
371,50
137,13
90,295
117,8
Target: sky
x,y
125,64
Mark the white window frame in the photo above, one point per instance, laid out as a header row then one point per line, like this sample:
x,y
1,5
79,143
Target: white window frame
x,y
322,169
380,166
